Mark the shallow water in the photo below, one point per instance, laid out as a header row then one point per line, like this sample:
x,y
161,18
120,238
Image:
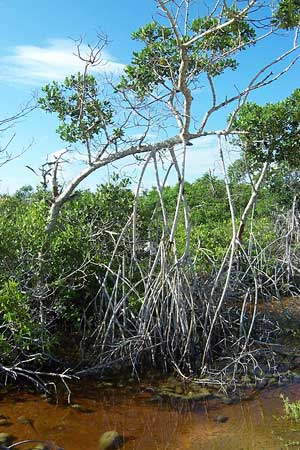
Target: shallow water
x,y
254,424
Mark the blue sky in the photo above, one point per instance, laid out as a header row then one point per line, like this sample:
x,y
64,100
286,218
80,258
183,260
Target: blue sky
x,y
36,48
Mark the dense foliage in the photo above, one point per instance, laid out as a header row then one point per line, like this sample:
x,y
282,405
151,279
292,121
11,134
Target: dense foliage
x,y
271,131
159,61
77,104
172,276
82,245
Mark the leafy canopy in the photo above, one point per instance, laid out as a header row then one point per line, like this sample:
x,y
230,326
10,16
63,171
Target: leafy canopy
x,y
271,132
80,111
288,14
159,61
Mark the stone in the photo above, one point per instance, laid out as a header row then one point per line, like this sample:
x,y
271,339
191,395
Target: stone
x,y
227,400
201,394
221,418
49,399
155,398
172,380
148,389
105,384
4,422
261,384
81,408
296,377
179,390
58,428
39,447
296,362
24,420
110,440
5,439
247,397
165,393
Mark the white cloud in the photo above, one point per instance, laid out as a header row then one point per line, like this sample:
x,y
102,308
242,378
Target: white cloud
x,y
202,157
35,65
57,154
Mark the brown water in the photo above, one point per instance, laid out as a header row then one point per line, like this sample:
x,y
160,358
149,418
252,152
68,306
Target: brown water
x,y
255,424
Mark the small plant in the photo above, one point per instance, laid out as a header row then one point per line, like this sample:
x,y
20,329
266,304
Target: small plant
x,y
290,444
292,409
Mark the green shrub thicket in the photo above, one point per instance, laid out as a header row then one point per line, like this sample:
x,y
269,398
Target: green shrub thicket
x,y
74,262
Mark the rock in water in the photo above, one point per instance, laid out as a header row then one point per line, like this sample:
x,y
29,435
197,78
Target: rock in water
x,y
24,420
221,418
81,408
39,447
5,439
110,440
4,422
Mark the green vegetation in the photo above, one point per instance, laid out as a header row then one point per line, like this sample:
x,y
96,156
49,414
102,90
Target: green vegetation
x,y
271,131
171,277
81,246
292,409
77,123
